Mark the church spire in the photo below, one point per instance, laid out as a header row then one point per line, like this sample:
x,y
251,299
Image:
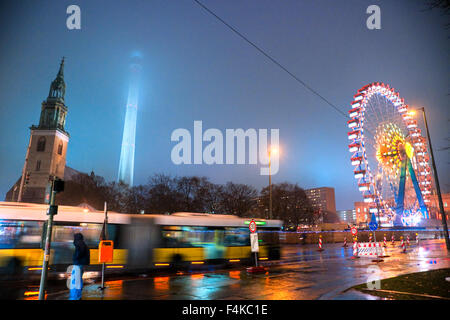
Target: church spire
x,y
58,86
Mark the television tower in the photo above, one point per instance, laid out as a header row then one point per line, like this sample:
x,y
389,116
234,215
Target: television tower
x,y
126,164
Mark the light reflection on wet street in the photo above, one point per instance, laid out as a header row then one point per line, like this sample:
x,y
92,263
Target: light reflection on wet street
x,y
303,273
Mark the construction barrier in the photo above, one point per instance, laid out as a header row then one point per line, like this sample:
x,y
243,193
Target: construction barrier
x,y
370,249
345,242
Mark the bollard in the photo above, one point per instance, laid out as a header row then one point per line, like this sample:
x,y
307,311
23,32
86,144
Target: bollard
x,y
417,239
320,244
393,240
370,237
402,245
407,240
345,242
384,241
355,249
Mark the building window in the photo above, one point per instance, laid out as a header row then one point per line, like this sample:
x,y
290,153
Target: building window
x,y
60,147
41,144
38,165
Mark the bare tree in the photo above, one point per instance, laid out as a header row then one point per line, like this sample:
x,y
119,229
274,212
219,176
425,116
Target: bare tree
x,y
238,199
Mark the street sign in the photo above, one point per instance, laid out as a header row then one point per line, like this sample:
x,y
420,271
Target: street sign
x,y
252,226
354,231
254,242
373,225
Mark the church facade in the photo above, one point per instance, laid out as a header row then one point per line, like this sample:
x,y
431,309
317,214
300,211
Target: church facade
x,y
46,153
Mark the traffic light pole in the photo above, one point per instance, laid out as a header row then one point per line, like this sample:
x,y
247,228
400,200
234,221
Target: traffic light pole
x,y
48,241
438,188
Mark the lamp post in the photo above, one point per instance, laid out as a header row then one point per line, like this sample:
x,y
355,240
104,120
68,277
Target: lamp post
x,y
271,150
436,180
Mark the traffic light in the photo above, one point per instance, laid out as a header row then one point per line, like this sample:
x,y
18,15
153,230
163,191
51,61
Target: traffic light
x,y
58,185
27,177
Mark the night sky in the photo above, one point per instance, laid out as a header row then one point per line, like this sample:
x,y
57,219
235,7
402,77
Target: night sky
x,y
194,68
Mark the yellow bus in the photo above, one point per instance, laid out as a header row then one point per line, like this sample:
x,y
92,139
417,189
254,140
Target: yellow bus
x,y
149,241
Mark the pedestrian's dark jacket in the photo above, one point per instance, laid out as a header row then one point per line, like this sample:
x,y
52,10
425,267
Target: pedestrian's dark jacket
x,y
81,255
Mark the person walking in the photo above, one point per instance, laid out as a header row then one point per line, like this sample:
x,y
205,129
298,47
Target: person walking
x,y
81,258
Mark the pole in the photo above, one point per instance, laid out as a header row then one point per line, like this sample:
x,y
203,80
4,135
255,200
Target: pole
x,y
105,225
438,188
48,241
270,189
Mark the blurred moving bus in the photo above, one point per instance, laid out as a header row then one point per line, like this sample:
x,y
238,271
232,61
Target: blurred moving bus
x,y
140,241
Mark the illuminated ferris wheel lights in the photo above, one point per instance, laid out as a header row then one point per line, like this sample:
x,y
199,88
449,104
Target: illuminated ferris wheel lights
x,y
353,134
411,124
354,112
356,104
353,123
363,186
356,161
358,97
359,174
420,153
354,147
402,108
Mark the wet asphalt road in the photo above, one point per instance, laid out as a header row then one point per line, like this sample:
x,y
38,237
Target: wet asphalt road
x,y
302,274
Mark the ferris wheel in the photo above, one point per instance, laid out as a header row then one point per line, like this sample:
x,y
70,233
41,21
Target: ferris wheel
x,y
389,155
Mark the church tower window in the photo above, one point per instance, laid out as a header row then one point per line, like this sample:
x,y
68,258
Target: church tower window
x,y
41,144
60,148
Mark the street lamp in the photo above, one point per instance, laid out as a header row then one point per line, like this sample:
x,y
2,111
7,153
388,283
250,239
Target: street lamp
x,y
436,179
274,151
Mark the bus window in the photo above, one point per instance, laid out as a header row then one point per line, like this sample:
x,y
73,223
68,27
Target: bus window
x,y
237,237
20,234
62,234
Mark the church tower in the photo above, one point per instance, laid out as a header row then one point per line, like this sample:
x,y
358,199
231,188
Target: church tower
x,y
46,154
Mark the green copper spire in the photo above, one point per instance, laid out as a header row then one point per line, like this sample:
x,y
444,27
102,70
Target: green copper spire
x,y
54,110
58,86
